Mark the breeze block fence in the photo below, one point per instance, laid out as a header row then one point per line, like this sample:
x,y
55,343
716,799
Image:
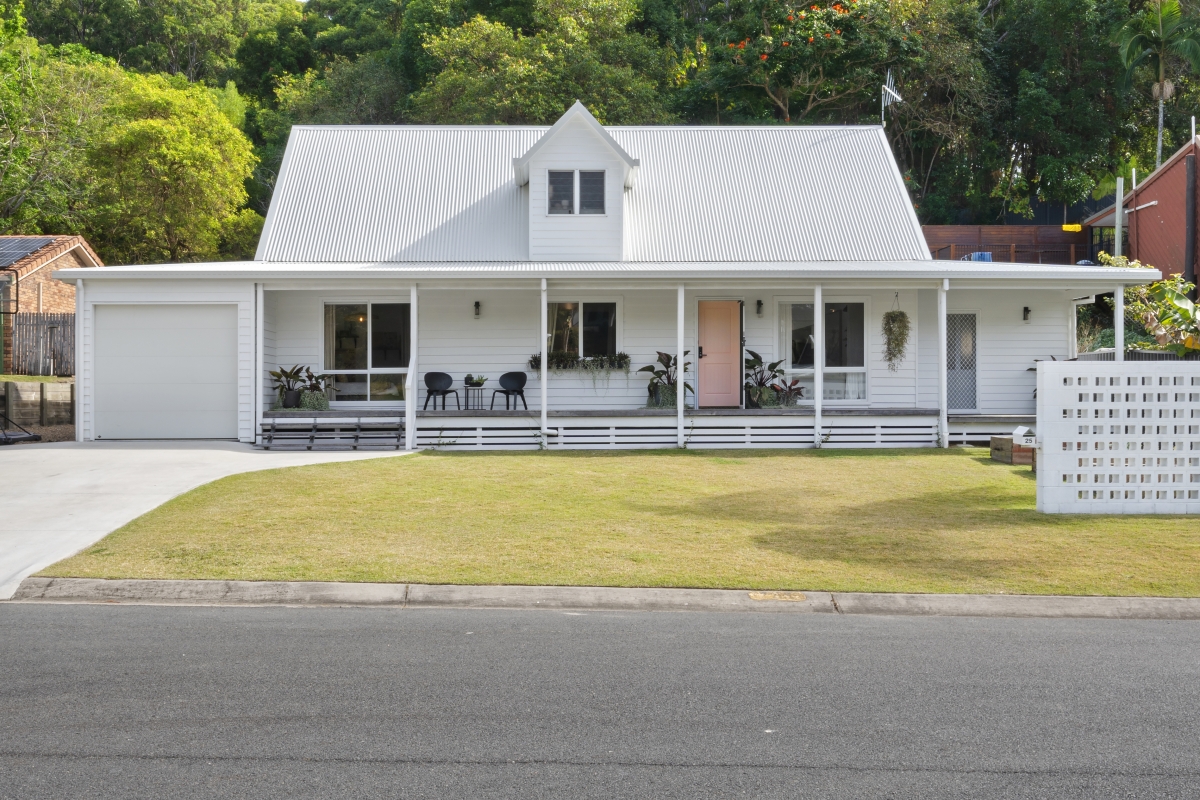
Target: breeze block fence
x,y
1118,437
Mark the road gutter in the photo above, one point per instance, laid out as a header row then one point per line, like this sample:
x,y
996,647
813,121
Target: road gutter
x,y
415,595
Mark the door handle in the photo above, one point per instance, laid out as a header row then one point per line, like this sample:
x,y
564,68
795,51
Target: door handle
x,y
701,352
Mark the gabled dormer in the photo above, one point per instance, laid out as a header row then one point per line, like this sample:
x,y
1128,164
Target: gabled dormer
x,y
576,176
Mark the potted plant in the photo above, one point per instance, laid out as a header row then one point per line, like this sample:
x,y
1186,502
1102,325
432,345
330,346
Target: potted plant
x,y
474,381
662,388
288,383
789,393
760,393
314,392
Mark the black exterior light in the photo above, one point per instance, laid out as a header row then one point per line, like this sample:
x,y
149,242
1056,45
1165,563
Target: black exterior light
x,y
1025,314
758,304
479,309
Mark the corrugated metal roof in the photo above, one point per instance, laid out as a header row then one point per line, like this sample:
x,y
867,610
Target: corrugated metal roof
x,y
447,193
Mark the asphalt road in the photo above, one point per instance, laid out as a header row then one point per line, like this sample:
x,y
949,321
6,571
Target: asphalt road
x,y
156,702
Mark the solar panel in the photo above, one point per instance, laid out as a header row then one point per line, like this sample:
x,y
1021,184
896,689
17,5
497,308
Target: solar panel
x,y
14,248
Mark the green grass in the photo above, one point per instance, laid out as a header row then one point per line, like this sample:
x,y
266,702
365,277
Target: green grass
x,y
891,521
35,379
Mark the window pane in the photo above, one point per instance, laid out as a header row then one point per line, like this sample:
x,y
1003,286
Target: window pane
x,y
599,328
844,335
349,388
564,327
845,386
802,336
591,192
389,335
562,193
387,387
346,337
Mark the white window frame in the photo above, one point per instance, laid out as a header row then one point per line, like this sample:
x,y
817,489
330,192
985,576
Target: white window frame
x,y
783,343
575,197
371,369
620,317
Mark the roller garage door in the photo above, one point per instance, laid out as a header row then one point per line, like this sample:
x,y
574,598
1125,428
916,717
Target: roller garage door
x,y
165,372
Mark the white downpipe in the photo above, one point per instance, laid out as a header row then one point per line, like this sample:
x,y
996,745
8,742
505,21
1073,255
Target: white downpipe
x,y
543,378
680,388
818,361
1118,207
83,377
410,383
1119,322
943,377
258,381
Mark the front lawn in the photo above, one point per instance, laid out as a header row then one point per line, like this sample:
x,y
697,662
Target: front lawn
x,y
891,521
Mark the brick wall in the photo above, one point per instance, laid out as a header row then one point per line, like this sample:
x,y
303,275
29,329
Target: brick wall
x,y
57,297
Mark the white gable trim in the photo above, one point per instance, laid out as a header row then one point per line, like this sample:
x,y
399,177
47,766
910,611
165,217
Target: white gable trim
x,y
631,164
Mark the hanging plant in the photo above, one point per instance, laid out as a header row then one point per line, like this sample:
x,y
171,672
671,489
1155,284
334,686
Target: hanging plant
x,y
895,337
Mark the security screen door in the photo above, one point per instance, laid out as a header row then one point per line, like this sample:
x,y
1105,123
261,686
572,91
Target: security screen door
x,y
960,362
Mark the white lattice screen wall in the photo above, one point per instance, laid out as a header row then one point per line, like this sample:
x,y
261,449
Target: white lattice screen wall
x,y
1118,438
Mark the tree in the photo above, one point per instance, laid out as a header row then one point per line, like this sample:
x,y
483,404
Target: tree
x,y
581,51
170,170
1151,39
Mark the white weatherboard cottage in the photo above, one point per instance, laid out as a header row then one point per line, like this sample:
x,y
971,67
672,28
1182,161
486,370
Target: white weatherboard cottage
x,y
393,252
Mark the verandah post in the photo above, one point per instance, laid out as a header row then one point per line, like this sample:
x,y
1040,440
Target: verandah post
x,y
1119,322
943,377
818,361
410,385
258,381
680,383
543,336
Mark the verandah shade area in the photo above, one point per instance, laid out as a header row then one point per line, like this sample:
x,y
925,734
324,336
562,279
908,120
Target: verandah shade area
x,y
893,521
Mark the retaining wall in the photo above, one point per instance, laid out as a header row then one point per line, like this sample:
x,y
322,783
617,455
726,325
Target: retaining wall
x,y
38,403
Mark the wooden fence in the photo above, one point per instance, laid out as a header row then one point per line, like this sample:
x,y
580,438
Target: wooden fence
x,y
43,344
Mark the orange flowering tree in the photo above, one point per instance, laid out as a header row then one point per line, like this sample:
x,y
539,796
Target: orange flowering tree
x,y
807,56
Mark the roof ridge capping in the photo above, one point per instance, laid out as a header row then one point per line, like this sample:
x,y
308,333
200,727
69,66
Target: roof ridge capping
x,y
521,163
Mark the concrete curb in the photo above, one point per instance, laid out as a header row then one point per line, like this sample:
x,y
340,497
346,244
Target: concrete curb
x,y
415,595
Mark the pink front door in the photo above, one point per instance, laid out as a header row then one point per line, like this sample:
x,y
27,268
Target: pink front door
x,y
720,354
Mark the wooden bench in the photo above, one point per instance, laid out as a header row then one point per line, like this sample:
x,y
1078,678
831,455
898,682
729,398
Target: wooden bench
x,y
340,433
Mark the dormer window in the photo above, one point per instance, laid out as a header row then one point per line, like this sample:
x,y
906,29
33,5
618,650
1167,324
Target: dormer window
x,y
566,185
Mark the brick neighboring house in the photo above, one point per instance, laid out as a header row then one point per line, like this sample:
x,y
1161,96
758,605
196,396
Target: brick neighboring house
x,y
31,260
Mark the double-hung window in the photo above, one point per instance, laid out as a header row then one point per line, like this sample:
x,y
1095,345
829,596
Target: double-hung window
x,y
583,329
367,350
845,374
565,186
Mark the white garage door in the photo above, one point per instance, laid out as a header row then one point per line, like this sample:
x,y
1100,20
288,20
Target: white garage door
x,y
166,372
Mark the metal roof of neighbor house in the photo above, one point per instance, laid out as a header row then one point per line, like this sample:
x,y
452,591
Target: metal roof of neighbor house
x,y
703,194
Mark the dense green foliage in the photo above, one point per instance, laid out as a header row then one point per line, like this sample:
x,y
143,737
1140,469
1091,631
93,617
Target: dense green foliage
x,y
1007,102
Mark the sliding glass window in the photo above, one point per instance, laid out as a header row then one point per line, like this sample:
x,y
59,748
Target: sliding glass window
x,y
583,329
367,351
845,374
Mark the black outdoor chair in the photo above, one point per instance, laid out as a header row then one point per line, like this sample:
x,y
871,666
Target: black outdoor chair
x,y
512,384
437,384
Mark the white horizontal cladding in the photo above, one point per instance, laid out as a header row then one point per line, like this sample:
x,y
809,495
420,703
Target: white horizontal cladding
x,y
1119,437
149,290
1009,346
729,431
575,237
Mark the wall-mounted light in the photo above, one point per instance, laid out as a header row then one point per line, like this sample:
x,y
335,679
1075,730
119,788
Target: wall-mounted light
x,y
758,304
478,309
1025,313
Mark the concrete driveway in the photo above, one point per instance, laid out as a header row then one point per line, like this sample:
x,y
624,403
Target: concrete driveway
x,y
56,499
